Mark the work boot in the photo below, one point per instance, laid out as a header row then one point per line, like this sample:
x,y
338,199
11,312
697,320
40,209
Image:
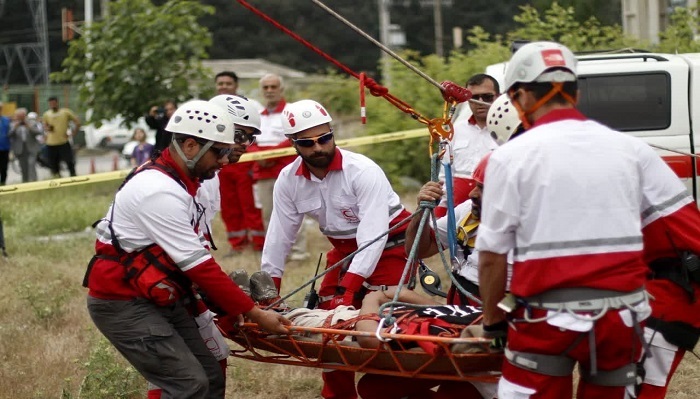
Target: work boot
x,y
240,277
264,290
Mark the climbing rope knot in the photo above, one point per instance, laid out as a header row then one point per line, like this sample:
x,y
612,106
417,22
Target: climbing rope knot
x,y
375,88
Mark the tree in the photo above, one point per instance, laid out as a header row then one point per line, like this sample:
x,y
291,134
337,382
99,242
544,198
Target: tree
x,y
680,35
140,55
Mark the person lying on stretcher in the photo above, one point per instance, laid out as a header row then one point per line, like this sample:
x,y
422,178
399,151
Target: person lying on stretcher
x,y
440,320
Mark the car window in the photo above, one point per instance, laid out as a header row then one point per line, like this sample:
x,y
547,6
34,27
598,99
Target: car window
x,y
628,102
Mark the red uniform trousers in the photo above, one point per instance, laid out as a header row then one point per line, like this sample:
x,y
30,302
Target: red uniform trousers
x,y
462,187
616,346
375,386
671,303
238,209
341,384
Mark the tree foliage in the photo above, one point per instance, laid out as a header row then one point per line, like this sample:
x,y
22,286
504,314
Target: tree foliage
x,y
140,55
681,34
559,24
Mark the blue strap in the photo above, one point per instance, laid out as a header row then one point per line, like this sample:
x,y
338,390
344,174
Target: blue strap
x,y
451,232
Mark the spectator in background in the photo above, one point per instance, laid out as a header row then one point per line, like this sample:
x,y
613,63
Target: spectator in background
x,y
56,127
243,220
42,158
24,140
157,119
472,139
142,151
4,146
272,136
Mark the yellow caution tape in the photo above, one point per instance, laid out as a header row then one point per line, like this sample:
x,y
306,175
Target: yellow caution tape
x,y
253,156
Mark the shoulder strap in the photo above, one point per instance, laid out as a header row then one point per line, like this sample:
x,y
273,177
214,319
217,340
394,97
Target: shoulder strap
x,y
151,164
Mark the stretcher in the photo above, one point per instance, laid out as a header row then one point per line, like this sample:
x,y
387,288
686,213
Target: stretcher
x,y
397,356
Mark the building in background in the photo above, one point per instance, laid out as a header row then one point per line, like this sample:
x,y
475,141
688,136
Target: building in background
x,y
645,19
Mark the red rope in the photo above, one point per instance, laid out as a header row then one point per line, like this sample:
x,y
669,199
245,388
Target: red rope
x,y
375,88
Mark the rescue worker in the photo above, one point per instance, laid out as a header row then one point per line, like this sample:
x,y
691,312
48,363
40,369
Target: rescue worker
x,y
503,124
208,196
567,198
471,139
244,223
464,267
353,202
148,255
671,247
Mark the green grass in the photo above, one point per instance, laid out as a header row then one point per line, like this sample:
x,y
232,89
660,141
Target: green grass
x,y
49,346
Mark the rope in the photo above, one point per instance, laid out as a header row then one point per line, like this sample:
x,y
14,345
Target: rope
x,y
379,44
342,261
450,91
427,209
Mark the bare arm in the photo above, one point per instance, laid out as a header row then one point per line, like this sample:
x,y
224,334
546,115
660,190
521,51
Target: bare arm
x,y
492,284
427,246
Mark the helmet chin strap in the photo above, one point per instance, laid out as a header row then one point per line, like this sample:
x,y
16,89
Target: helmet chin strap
x,y
190,163
557,87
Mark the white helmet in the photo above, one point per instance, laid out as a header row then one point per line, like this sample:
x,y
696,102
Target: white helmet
x,y
242,111
198,118
302,115
503,119
541,62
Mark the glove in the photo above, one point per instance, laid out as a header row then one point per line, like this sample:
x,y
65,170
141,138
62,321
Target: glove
x,y
499,333
472,331
350,284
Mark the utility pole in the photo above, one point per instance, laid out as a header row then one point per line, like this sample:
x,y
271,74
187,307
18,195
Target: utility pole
x,y
384,21
437,19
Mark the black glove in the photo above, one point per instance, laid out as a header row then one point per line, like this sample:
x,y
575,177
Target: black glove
x,y
499,333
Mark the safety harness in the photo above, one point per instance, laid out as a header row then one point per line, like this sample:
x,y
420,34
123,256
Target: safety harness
x,y
684,271
150,271
594,304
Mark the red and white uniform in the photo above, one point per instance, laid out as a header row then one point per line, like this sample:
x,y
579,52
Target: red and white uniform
x,y
566,197
271,137
209,197
681,222
152,208
353,204
470,143
238,211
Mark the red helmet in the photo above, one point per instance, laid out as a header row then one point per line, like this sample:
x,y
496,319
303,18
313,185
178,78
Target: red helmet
x,y
480,170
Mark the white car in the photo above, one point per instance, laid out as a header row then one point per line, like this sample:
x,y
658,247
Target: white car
x,y
112,134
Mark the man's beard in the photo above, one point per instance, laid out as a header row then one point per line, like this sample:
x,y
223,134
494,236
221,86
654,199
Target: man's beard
x,y
203,174
319,159
476,208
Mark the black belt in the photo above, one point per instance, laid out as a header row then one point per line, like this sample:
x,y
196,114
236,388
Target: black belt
x,y
396,240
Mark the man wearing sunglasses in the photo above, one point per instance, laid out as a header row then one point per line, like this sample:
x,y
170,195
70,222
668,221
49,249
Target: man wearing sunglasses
x,y
149,255
472,139
353,202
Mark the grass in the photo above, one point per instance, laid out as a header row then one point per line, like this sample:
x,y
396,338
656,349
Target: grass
x,y
49,347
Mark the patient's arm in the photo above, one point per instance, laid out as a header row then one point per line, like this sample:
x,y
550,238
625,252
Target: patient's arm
x,y
371,304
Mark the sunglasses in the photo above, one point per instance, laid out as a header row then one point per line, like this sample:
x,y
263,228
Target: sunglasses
x,y
485,97
311,141
241,137
221,152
